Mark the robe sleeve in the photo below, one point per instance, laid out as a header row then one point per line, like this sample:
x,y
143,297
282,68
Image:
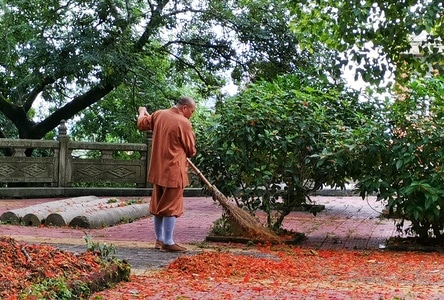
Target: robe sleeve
x,y
188,141
145,123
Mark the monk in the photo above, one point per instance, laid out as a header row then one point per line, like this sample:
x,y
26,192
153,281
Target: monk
x,y
173,142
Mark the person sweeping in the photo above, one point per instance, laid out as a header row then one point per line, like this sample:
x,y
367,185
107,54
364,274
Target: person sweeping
x,y
173,143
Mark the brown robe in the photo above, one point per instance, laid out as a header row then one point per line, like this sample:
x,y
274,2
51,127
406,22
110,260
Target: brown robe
x,y
173,142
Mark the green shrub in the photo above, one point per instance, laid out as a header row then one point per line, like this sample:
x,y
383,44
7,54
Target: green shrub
x,y
264,146
409,172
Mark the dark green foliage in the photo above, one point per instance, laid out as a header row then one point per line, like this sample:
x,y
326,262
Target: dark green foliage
x,y
408,171
265,145
113,56
380,37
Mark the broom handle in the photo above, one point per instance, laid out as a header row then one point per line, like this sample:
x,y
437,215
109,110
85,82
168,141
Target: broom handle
x,y
199,173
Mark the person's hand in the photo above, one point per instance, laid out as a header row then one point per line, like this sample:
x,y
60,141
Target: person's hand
x,y
143,111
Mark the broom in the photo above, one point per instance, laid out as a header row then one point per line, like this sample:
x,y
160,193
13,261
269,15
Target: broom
x,y
242,218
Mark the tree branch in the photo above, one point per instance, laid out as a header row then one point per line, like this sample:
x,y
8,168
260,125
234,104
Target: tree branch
x,y
191,66
17,115
203,45
152,26
32,95
70,109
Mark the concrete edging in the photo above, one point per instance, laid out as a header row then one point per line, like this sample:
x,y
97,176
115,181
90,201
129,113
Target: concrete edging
x,y
57,192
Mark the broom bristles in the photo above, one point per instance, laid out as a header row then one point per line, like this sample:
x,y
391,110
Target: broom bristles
x,y
248,223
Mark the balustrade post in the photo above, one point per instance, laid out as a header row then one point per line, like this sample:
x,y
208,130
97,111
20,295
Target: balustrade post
x,y
64,169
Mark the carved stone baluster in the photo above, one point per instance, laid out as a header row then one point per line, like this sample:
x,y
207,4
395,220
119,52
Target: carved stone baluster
x,y
107,154
19,152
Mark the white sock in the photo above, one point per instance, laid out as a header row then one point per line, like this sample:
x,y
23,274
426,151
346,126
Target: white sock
x,y
168,229
158,225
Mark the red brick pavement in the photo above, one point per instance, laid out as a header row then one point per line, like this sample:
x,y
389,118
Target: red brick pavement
x,y
345,223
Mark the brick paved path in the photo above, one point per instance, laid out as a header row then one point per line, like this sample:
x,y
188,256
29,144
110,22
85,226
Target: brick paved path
x,y
345,223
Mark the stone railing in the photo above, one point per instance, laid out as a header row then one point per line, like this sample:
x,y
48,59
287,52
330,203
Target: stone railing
x,y
64,172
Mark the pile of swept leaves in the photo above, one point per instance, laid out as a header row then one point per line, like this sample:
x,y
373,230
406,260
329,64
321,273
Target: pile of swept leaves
x,y
44,272
291,273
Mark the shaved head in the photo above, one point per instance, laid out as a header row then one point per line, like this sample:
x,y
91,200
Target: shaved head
x,y
186,101
187,106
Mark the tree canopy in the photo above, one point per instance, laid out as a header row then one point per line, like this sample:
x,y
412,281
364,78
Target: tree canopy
x,y
407,36
69,55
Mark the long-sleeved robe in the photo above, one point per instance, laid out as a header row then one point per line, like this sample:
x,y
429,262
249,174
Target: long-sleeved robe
x,y
173,142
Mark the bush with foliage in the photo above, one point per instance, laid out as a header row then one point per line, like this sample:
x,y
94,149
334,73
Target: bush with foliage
x,y
264,145
407,168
